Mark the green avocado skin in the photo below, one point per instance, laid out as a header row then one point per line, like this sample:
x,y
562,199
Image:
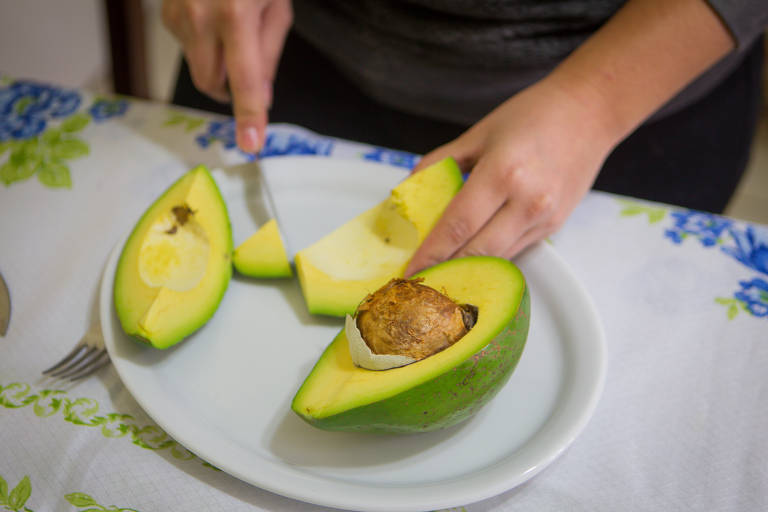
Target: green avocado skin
x,y
121,299
448,399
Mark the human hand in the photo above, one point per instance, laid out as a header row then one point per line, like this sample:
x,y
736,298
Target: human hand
x,y
535,156
531,161
233,47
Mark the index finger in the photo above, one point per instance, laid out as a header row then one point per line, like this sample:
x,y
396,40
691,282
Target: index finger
x,y
246,76
477,201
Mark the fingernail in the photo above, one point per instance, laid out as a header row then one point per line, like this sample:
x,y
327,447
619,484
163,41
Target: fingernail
x,y
249,139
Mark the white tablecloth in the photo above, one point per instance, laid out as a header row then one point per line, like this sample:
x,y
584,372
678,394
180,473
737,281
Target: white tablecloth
x,y
683,296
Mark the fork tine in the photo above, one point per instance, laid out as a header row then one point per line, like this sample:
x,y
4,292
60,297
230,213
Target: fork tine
x,y
100,361
75,351
77,364
86,357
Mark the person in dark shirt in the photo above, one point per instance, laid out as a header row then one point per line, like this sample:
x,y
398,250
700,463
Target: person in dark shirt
x,y
538,101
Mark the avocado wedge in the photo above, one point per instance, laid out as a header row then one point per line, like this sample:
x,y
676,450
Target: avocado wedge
x,y
176,264
438,391
340,269
263,254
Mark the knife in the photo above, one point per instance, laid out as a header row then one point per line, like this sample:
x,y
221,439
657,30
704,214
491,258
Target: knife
x,y
258,201
5,307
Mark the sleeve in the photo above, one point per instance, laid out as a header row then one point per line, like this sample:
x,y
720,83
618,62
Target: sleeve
x,y
745,19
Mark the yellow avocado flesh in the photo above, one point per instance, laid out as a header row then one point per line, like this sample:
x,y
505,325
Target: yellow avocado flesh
x,y
336,386
176,264
340,269
263,254
334,280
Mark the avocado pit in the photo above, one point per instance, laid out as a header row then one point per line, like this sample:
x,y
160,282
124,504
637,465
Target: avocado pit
x,y
406,321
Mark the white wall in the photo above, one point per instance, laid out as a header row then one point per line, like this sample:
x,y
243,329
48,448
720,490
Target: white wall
x,y
162,53
64,42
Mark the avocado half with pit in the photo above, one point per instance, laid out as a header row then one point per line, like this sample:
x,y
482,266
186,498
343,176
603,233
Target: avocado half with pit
x,y
176,264
338,270
263,254
440,390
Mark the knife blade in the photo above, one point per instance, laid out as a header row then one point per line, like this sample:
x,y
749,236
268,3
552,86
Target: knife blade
x,y
258,200
5,306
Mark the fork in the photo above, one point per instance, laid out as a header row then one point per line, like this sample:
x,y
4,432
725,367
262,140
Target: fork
x,y
88,356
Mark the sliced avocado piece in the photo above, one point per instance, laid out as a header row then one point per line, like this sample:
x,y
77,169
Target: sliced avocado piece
x,y
442,389
176,264
340,269
263,254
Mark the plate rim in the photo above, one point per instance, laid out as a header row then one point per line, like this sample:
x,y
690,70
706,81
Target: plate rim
x,y
484,483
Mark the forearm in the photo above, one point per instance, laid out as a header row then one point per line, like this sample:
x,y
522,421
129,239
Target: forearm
x,y
641,58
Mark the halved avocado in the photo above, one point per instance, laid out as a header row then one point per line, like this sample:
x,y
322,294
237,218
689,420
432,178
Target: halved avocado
x,y
176,264
442,389
340,269
263,254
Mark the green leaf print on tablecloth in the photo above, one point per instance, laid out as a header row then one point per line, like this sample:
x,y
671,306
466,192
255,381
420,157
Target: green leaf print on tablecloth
x,y
17,498
733,306
86,503
632,208
46,155
39,127
85,412
190,123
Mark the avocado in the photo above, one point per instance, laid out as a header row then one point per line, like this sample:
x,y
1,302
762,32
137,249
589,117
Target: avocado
x,y
442,389
340,269
176,264
263,254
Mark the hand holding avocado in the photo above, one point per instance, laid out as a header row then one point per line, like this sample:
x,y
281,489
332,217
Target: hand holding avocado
x,y
535,156
532,158
530,161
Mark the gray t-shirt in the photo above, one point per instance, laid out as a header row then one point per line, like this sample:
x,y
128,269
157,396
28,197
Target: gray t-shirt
x,y
458,59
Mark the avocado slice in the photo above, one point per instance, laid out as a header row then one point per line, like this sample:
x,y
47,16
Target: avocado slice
x,y
176,264
442,389
340,269
263,254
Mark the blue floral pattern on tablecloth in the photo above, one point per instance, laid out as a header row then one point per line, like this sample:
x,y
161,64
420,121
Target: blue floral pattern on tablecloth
x,y
706,227
218,131
27,107
745,243
751,247
276,143
392,157
281,143
103,108
754,296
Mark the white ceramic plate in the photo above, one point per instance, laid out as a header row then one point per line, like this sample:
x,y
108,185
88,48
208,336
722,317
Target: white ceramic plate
x,y
225,392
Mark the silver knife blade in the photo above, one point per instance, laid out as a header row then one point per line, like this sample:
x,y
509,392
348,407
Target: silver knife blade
x,y
259,200
5,307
